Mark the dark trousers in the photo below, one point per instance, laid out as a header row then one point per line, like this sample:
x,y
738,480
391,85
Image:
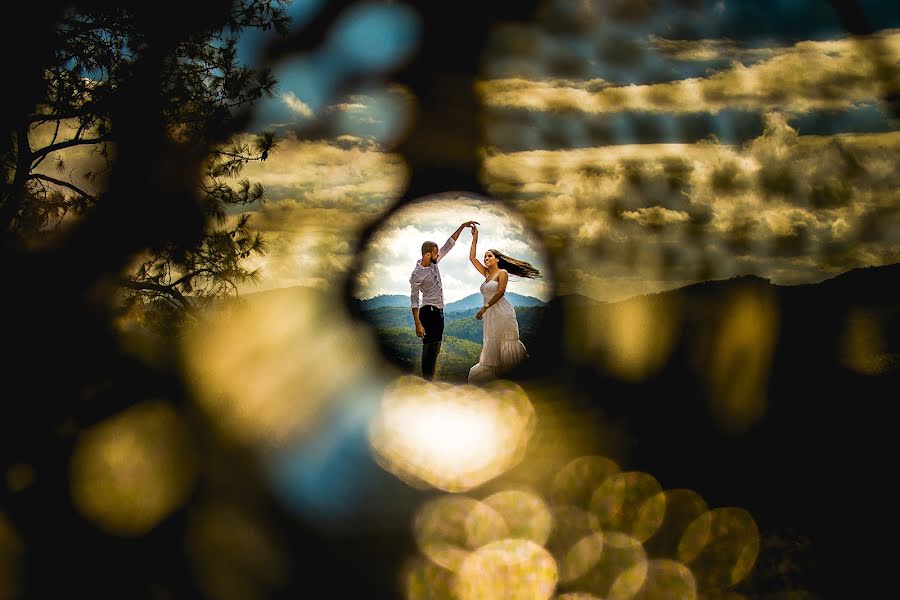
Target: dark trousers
x,y
432,319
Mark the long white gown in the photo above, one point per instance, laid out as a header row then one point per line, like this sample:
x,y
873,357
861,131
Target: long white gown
x,y
501,349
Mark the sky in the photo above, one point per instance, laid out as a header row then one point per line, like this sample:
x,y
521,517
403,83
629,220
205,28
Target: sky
x,y
392,254
646,144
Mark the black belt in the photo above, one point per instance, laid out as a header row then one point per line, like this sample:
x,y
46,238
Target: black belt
x,y
424,306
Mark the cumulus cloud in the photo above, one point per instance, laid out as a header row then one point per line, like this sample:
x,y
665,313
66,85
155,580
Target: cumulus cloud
x,y
708,50
785,206
296,105
320,196
656,216
307,246
808,76
346,173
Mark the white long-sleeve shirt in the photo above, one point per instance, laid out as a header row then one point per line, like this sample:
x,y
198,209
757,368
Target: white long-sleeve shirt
x,y
427,281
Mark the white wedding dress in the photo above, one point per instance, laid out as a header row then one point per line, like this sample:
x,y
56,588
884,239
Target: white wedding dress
x,y
501,349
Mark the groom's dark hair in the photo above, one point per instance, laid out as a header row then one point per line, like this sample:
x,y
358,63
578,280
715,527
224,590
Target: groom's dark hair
x,y
428,247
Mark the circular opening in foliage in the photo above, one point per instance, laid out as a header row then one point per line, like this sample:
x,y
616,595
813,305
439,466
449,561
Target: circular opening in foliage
x,y
391,280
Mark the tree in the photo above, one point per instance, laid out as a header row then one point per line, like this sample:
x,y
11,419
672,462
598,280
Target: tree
x,y
203,93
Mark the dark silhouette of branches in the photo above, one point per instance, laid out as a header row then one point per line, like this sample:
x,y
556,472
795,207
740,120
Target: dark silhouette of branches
x,y
202,93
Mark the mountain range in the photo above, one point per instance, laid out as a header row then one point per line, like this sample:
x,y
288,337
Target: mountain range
x,y
470,301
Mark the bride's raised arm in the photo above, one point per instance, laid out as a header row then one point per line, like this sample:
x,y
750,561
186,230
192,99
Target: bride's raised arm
x,y
473,255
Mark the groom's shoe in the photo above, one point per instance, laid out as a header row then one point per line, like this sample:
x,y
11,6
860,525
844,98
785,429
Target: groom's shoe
x,y
429,359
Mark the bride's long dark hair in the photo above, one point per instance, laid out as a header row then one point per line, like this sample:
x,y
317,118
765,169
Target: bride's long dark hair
x,y
514,266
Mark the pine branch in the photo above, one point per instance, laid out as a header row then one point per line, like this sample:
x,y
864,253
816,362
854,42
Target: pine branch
x,y
53,141
64,184
192,275
146,286
70,144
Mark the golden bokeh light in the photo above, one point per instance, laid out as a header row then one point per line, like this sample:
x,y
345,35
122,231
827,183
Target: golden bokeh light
x,y
627,585
617,563
510,569
635,541
526,514
449,528
571,526
634,338
450,437
720,547
631,503
740,358
575,483
424,580
10,560
583,555
863,343
266,370
682,508
232,554
665,580
132,470
729,595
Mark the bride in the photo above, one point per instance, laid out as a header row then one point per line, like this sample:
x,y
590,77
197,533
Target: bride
x,y
501,349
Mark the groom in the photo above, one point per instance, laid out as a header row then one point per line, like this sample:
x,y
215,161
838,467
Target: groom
x,y
429,313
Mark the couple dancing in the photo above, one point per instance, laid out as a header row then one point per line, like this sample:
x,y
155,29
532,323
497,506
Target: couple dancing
x,y
501,349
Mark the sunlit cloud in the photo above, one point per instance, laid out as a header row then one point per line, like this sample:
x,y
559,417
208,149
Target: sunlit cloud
x,y
84,166
328,173
297,106
320,194
708,50
633,219
808,76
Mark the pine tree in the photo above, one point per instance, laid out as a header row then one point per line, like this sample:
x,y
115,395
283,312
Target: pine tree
x,y
203,94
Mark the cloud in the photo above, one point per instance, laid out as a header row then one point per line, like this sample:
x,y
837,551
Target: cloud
x,y
709,50
393,251
83,166
656,216
349,106
808,76
785,206
297,105
307,246
321,194
347,173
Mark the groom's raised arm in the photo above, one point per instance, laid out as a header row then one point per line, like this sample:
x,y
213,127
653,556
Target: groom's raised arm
x,y
451,241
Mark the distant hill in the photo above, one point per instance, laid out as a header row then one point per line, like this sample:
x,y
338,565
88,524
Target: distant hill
x,y
404,349
470,301
389,316
464,325
393,300
579,300
477,301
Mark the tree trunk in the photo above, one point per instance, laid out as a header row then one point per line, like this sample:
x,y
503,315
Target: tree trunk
x,y
16,198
